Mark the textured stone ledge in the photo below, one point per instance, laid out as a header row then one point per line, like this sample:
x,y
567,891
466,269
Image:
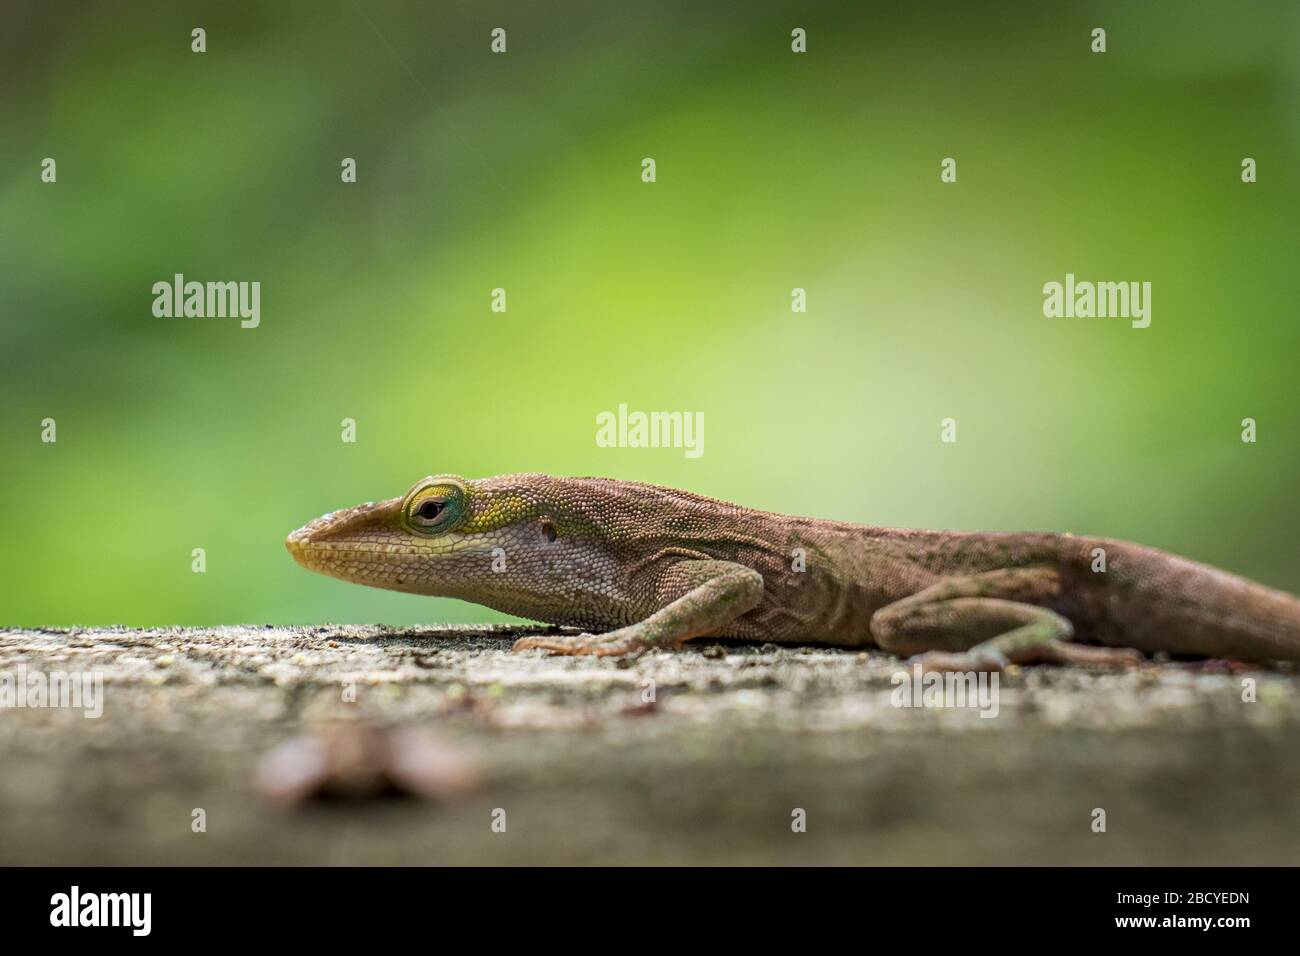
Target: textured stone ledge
x,y
587,771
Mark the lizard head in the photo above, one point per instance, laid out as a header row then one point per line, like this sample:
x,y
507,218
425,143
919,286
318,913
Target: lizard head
x,y
509,543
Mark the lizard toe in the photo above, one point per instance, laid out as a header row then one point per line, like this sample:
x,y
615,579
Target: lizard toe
x,y
568,646
939,662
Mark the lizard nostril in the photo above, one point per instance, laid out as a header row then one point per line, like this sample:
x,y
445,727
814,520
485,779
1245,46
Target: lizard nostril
x,y
548,531
297,542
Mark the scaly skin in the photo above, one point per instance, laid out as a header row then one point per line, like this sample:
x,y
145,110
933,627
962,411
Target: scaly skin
x,y
654,567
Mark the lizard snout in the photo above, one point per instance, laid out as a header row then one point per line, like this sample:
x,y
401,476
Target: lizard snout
x,y
339,536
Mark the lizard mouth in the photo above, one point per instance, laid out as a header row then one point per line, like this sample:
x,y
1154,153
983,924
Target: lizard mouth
x,y
341,542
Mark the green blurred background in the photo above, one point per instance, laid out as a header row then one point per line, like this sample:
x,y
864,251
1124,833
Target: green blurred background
x,y
522,171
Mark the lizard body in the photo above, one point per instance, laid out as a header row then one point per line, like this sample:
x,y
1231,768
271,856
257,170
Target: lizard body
x,y
653,567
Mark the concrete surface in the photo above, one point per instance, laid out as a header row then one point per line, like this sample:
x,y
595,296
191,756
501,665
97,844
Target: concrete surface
x,y
586,771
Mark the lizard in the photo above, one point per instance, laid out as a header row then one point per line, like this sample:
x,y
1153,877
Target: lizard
x,y
638,566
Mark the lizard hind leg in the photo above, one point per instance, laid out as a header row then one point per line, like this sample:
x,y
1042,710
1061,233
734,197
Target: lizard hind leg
x,y
983,622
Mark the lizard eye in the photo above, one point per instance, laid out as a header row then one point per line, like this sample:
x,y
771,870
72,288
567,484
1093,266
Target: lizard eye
x,y
429,510
433,506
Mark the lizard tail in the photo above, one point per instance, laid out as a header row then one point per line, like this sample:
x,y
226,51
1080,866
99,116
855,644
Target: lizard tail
x,y
1183,607
1266,622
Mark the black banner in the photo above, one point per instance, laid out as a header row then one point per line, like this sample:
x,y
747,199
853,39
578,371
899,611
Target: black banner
x,y
333,905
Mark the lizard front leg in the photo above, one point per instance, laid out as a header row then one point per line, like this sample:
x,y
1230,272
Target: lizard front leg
x,y
983,622
695,597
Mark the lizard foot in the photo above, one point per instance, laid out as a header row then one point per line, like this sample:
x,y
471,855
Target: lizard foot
x,y
595,645
939,662
1217,665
